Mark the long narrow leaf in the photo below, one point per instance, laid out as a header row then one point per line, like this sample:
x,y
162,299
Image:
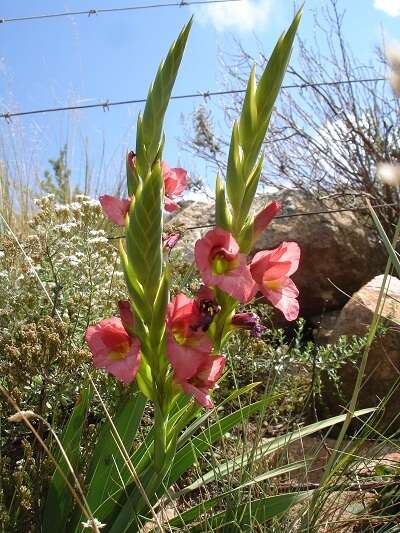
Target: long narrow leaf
x,y
106,470
229,467
59,499
190,453
385,239
258,511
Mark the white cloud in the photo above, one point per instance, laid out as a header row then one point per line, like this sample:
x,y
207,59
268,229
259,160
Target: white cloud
x,y
390,7
245,15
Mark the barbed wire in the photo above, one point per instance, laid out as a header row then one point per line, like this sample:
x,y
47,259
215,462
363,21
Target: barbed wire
x,y
309,213
205,94
291,215
91,12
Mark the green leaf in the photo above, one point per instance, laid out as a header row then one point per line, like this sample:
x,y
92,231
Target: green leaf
x,y
160,308
257,511
267,91
141,307
248,197
192,428
223,217
234,179
144,234
385,239
244,165
194,512
107,470
132,179
229,467
59,499
149,128
190,453
249,118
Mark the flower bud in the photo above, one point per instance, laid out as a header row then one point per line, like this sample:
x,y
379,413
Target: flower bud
x,y
249,321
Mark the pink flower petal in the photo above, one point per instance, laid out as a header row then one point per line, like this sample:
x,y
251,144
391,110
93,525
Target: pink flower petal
x,y
124,369
214,241
264,217
238,283
259,264
184,359
113,349
200,394
284,299
211,370
236,280
114,208
179,178
290,252
181,308
277,270
107,335
170,205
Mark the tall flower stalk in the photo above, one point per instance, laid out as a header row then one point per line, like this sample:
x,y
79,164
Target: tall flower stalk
x,y
173,345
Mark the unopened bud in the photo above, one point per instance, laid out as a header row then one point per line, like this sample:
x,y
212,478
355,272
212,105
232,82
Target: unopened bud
x,y
249,321
389,173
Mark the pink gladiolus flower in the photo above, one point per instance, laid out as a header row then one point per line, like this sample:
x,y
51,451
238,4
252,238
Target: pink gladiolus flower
x,y
264,217
222,265
114,208
271,270
114,349
175,182
187,344
204,380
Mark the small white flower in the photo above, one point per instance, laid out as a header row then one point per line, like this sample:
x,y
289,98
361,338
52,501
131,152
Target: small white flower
x,y
389,173
92,203
98,240
75,206
91,523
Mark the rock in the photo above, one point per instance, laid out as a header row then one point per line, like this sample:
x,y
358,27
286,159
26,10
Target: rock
x,y
383,366
323,326
338,254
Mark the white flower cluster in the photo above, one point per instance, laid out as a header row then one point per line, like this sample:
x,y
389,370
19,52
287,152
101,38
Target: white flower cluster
x,y
69,251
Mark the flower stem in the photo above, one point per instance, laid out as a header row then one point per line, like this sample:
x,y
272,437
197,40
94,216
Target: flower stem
x,y
160,438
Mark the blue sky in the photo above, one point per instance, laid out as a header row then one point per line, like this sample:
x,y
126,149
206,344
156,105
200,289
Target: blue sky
x,y
81,59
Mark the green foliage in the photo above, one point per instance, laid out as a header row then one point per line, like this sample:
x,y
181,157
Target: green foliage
x,y
59,502
58,180
42,360
244,164
107,466
149,136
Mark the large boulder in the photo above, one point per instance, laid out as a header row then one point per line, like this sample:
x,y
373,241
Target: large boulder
x,y
383,365
338,254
